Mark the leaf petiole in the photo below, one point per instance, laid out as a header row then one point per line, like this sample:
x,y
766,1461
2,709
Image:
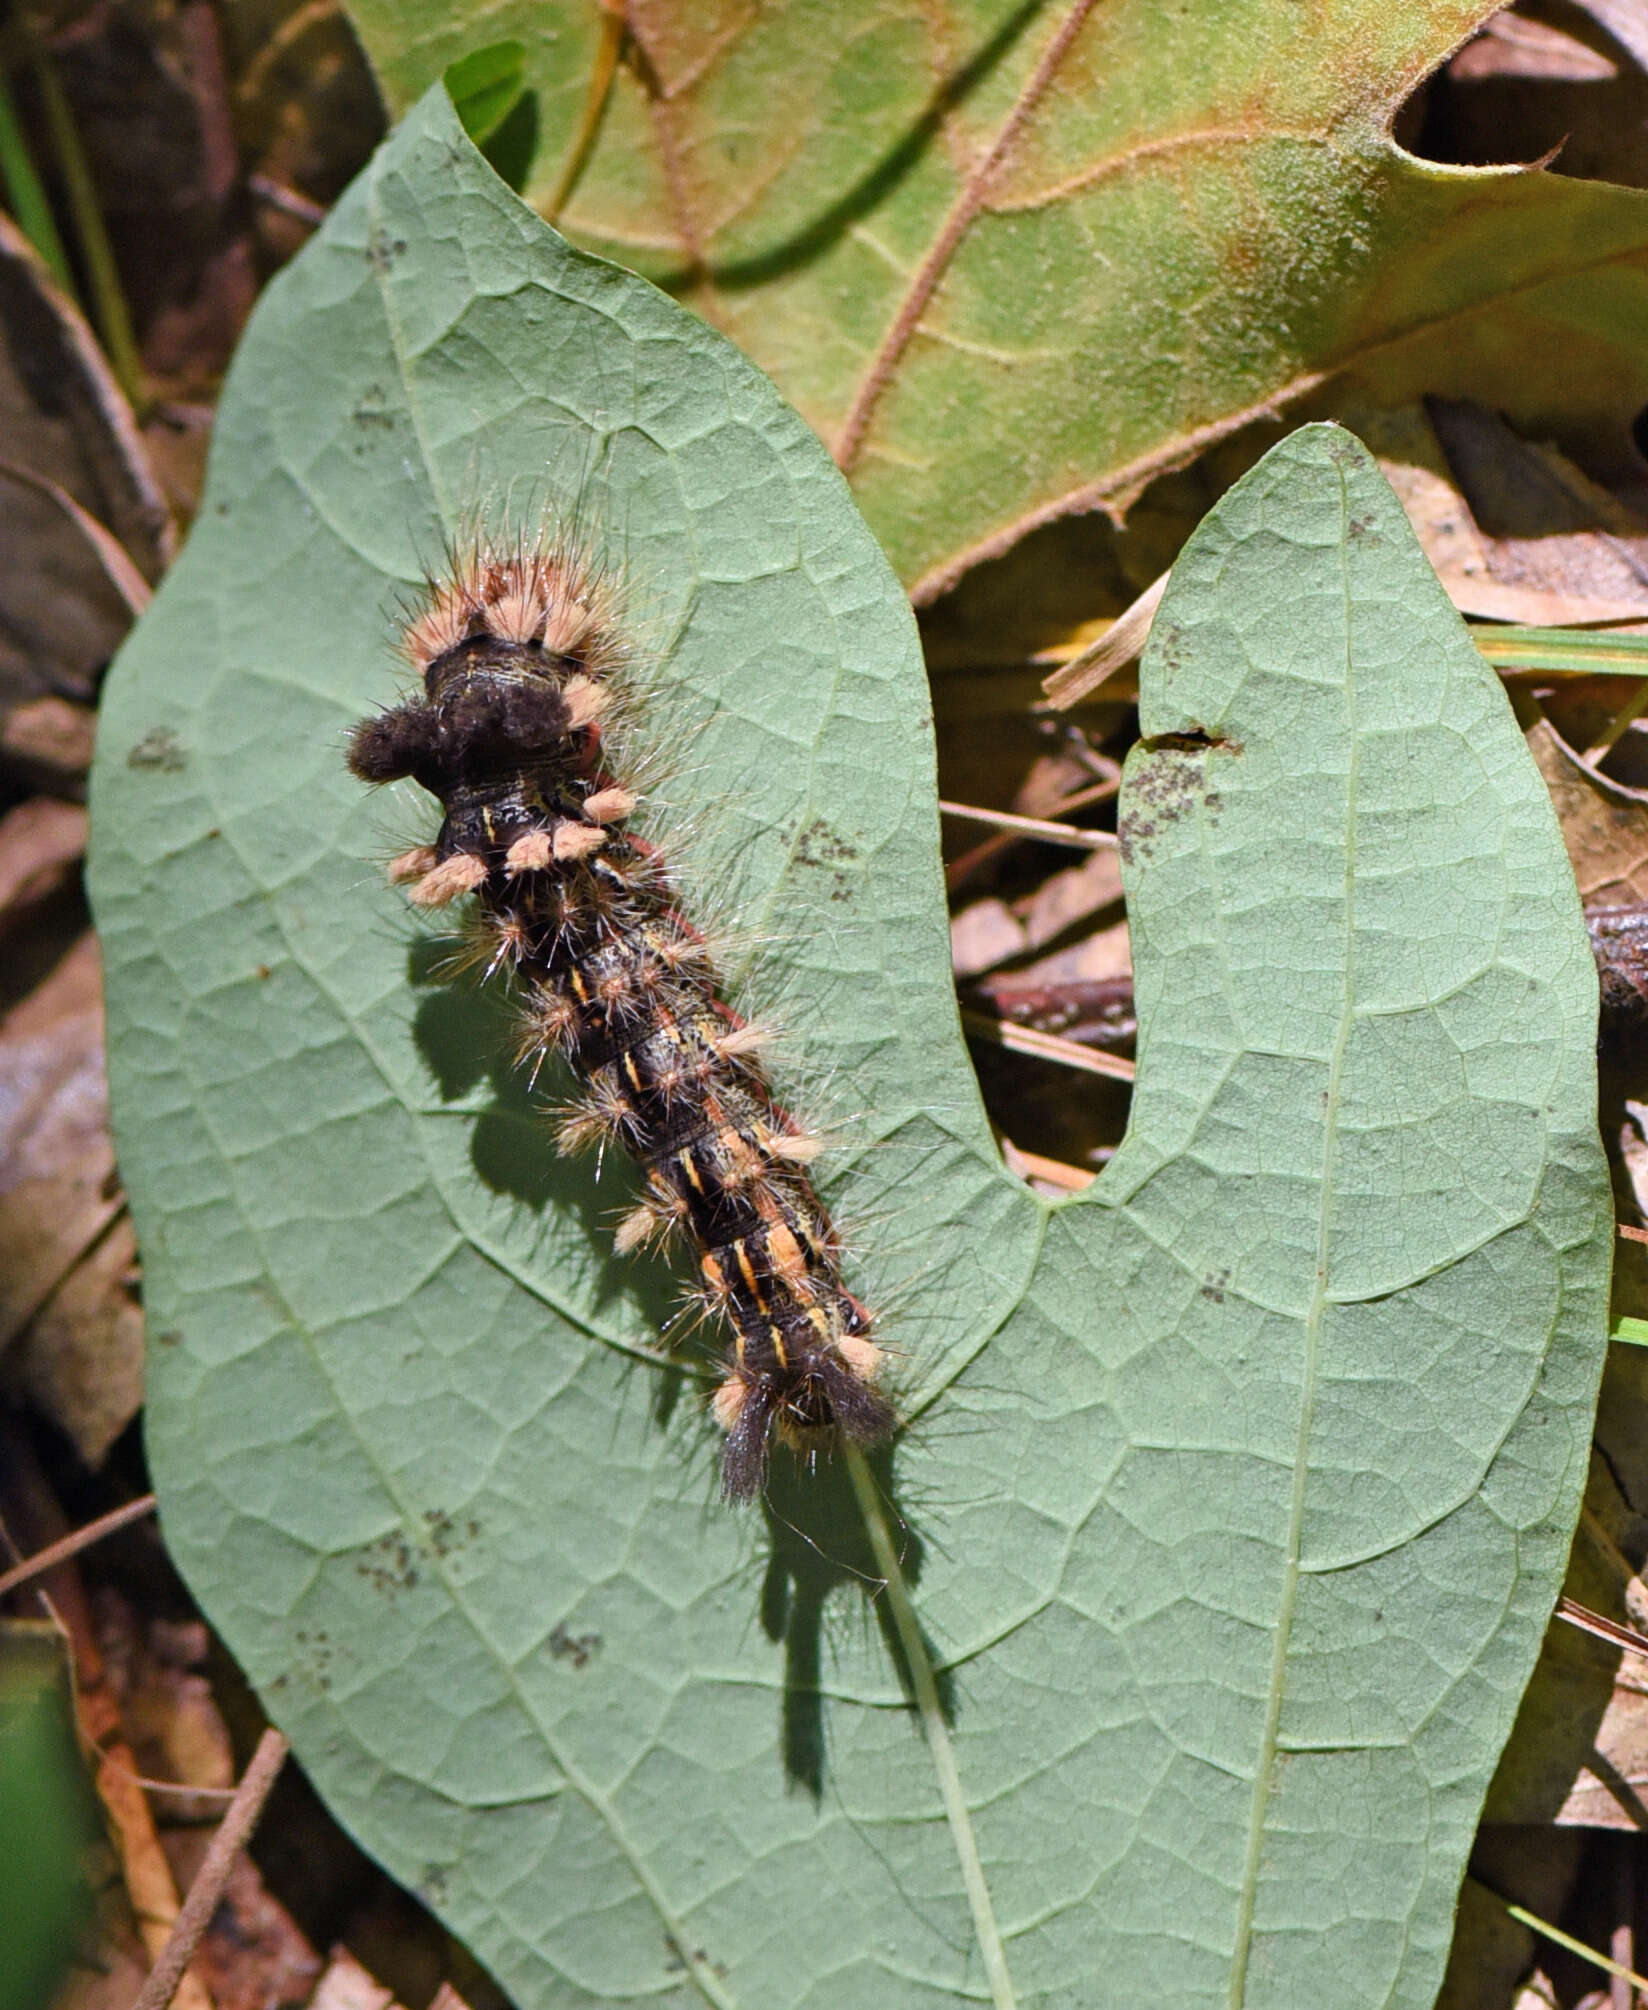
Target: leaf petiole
x,y
935,1730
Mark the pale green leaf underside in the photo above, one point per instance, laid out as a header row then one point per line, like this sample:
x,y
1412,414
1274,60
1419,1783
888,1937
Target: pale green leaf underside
x,y
1239,1491
1013,259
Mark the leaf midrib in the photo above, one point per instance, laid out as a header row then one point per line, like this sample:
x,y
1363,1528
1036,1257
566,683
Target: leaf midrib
x,y
1265,1767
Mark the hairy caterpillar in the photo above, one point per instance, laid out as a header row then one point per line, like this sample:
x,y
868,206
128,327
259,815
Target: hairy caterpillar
x,y
522,661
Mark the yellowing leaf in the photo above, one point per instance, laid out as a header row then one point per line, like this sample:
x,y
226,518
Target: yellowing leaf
x,y
1014,260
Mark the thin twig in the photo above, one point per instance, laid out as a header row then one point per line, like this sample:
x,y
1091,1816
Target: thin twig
x,y
942,1752
287,200
1047,1046
960,870
195,1914
1547,1931
181,1787
1623,718
1051,1172
1605,1629
71,1545
1035,827
614,28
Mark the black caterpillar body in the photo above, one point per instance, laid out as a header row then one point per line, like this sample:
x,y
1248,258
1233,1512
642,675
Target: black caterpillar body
x,y
520,658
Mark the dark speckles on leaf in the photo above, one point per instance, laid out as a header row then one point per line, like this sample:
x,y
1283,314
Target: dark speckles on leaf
x,y
382,251
1361,528
675,1961
1213,1287
373,409
387,1564
1161,788
446,1533
1133,835
159,748
574,1647
391,1564
819,845
1166,780
315,1650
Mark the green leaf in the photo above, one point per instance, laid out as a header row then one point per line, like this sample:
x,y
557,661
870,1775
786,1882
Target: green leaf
x,y
1629,1293
485,87
46,1799
1235,1495
1014,261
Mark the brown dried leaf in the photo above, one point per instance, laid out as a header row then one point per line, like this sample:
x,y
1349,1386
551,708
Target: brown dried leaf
x,y
985,933
167,1707
1562,87
41,845
81,1360
1072,896
34,1520
65,422
1604,824
1514,530
1625,21
46,744
1512,45
346,1985
57,1189
1104,957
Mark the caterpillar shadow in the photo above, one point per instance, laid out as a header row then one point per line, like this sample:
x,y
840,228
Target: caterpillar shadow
x,y
465,1034
817,1544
